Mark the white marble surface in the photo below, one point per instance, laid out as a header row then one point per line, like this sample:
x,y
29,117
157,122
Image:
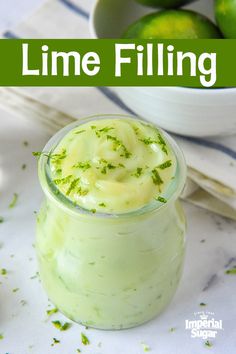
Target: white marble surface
x,y
25,326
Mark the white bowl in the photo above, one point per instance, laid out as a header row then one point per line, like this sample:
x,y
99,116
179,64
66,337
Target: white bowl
x,y
186,111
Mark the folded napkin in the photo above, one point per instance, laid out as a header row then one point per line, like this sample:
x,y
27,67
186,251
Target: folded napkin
x,y
211,163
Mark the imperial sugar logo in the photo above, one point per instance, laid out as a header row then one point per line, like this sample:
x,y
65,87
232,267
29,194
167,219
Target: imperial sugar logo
x,y
204,325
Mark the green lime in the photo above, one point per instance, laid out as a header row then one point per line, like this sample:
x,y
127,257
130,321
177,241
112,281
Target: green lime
x,y
167,4
225,11
173,24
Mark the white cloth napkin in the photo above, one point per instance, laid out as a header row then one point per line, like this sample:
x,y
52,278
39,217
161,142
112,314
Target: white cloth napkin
x,y
211,162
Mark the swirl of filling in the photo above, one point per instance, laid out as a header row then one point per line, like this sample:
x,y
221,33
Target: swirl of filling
x,y
113,165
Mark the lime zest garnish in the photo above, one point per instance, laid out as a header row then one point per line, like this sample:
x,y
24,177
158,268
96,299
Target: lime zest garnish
x,y
156,177
165,165
83,165
3,271
117,144
55,158
14,201
208,344
55,341
64,180
146,347
80,131
72,186
162,143
172,329
84,339
231,271
148,141
138,172
103,130
60,326
52,311
161,199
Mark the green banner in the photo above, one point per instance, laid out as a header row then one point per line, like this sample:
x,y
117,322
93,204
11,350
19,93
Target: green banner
x,y
77,62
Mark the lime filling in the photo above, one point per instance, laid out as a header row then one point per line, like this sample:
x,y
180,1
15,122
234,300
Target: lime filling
x,y
113,165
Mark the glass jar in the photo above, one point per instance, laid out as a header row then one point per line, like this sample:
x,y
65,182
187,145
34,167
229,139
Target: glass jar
x,y
110,271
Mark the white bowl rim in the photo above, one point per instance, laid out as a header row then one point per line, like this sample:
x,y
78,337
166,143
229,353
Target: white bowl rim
x,y
216,91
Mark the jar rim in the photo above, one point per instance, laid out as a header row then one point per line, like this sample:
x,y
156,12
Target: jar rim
x,y
52,192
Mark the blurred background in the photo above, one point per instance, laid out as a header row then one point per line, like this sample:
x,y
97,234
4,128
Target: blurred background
x,y
15,11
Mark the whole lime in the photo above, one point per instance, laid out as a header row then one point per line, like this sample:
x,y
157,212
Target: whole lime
x,y
173,24
167,4
225,11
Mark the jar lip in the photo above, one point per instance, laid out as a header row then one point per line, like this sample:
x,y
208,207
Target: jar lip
x,y
52,192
